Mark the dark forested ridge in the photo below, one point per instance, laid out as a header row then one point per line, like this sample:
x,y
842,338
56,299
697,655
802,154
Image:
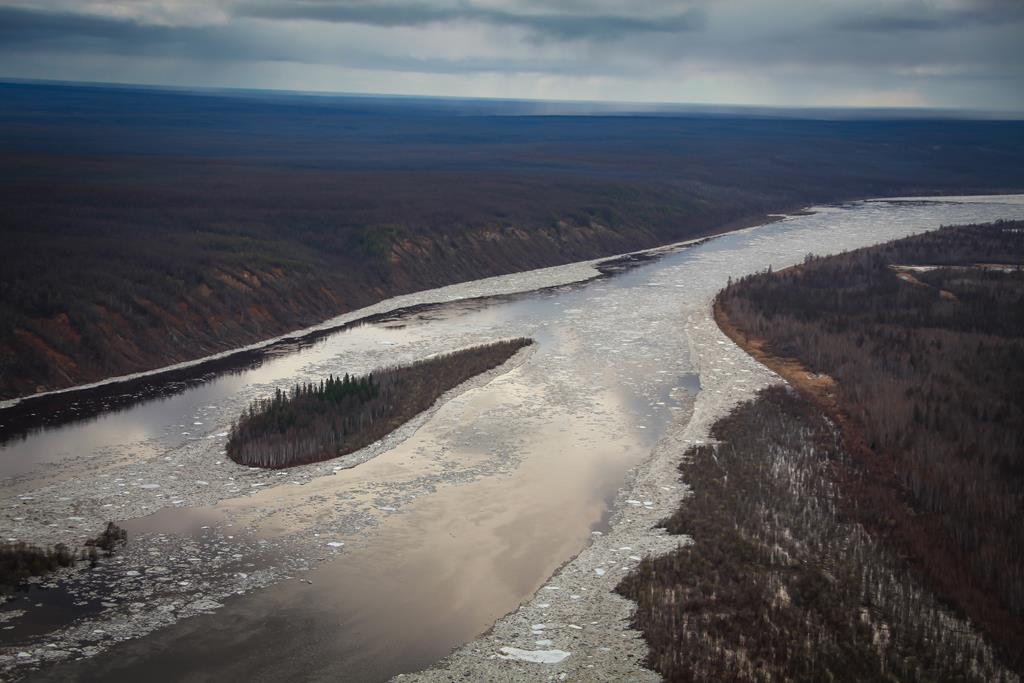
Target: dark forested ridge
x,y
924,339
314,422
146,227
781,583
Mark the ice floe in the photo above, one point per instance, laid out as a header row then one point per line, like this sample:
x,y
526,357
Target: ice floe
x,y
535,656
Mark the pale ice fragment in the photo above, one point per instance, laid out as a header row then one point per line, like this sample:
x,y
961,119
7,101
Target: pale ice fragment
x,y
534,656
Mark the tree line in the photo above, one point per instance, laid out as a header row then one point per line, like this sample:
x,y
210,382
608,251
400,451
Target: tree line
x,y
781,583
929,368
318,421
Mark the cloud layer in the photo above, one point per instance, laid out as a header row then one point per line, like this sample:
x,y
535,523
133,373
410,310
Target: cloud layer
x,y
944,53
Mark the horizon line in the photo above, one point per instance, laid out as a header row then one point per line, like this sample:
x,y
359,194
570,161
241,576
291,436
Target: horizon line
x,y
596,107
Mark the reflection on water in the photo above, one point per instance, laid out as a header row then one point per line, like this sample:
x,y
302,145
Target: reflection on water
x,y
46,609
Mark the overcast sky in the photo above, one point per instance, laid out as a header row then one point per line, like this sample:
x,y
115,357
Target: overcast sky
x,y
876,53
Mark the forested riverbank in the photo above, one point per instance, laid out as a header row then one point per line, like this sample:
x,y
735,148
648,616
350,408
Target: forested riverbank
x,y
913,349
782,582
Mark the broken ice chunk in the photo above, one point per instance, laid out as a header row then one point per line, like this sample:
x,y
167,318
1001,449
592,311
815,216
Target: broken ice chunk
x,y
535,656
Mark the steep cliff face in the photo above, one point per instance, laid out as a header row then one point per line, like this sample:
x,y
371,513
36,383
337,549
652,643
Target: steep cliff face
x,y
233,306
237,307
424,261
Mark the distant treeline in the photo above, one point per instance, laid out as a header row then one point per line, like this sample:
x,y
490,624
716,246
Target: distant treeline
x,y
929,370
339,415
780,583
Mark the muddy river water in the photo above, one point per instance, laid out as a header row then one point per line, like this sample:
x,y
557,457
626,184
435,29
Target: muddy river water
x,y
361,573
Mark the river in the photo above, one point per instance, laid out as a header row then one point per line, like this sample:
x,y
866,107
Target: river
x,y
381,568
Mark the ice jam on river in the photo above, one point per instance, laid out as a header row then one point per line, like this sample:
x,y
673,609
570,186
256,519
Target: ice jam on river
x,y
526,492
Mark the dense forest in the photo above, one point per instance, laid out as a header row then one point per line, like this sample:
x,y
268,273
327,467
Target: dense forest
x,y
923,339
146,227
781,583
320,421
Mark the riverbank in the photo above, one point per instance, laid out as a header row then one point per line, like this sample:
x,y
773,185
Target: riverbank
x,y
925,395
23,414
242,308
781,581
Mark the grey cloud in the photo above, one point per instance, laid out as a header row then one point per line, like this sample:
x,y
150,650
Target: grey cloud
x,y
981,49
65,32
557,25
25,27
920,17
944,51
28,30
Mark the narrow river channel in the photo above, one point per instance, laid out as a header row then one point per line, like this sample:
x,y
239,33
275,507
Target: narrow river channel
x,y
362,573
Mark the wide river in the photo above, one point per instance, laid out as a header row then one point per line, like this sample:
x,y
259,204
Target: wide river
x,y
366,572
